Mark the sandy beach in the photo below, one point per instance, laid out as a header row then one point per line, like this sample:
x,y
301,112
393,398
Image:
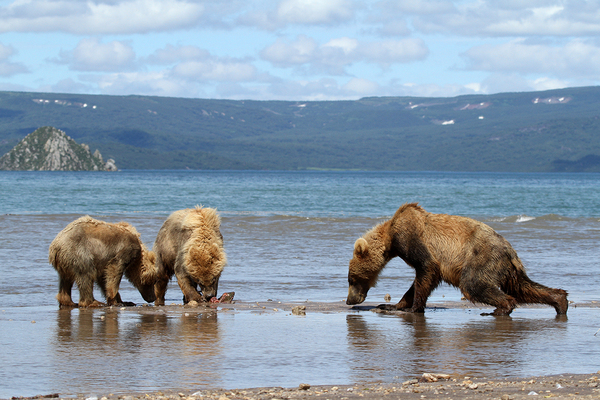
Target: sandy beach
x,y
432,386
559,387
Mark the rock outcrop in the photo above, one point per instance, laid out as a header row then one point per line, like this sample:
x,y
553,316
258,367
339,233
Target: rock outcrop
x,y
50,149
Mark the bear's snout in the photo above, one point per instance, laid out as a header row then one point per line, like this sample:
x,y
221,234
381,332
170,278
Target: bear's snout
x,y
355,296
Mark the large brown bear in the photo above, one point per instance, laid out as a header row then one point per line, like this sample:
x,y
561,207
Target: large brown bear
x,y
89,250
189,245
460,251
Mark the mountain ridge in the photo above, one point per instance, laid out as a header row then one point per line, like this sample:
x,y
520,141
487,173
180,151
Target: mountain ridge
x,y
556,130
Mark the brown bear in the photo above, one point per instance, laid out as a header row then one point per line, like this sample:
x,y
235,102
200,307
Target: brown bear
x,y
89,250
463,252
189,245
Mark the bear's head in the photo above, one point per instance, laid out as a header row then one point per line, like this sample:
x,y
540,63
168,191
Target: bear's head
x,y
148,276
367,262
205,264
143,276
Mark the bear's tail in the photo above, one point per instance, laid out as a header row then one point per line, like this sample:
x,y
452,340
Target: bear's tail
x,y
526,291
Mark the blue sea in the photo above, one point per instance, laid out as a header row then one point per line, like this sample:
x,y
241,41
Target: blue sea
x,y
288,238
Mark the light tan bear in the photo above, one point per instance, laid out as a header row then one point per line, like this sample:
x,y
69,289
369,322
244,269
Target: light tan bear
x,y
189,245
460,251
89,250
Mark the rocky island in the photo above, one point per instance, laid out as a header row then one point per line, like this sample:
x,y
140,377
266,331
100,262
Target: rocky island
x,y
50,149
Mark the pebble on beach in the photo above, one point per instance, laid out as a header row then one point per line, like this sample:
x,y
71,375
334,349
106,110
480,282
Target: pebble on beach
x,y
299,310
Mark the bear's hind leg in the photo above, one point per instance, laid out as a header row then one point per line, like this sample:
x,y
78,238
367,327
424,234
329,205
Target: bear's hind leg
x,y
86,294
489,294
540,294
530,292
64,292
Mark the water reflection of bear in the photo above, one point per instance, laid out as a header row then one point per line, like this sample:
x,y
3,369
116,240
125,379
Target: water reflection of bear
x,y
498,347
93,339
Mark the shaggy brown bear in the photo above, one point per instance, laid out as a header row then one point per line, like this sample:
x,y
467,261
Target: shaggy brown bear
x,y
89,250
460,251
189,245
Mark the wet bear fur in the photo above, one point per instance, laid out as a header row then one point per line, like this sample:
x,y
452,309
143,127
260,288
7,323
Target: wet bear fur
x,y
88,250
460,251
189,245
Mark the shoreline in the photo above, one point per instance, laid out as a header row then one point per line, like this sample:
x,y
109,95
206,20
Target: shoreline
x,y
332,307
434,386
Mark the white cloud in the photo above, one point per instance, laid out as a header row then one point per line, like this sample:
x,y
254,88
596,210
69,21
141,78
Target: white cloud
x,y
215,70
299,49
345,44
196,64
575,58
504,82
503,18
299,12
395,51
171,54
144,83
8,68
92,55
6,52
339,53
394,28
546,83
100,17
285,54
362,87
165,83
512,82
314,12
68,86
419,7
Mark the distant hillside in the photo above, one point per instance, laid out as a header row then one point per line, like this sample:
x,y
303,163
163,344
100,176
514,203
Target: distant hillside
x,y
556,130
50,149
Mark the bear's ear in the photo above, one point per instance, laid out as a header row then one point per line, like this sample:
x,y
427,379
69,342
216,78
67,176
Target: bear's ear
x,y
361,247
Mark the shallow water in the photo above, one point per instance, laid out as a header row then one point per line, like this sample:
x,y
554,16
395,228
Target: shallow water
x,y
288,238
111,351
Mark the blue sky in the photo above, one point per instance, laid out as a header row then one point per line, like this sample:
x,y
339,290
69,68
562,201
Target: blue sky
x,y
297,49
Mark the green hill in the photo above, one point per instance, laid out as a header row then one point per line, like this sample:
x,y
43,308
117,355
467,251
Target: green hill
x,y
50,149
556,130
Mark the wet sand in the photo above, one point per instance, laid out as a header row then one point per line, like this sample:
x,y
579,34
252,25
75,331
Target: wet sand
x,y
556,387
330,307
434,384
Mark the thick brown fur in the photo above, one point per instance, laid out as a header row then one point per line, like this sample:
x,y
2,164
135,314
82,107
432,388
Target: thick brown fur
x,y
88,250
189,245
461,251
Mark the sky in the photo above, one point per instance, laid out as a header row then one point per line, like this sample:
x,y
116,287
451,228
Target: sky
x,y
297,49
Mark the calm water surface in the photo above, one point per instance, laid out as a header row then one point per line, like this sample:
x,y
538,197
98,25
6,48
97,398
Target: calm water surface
x,y
288,237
